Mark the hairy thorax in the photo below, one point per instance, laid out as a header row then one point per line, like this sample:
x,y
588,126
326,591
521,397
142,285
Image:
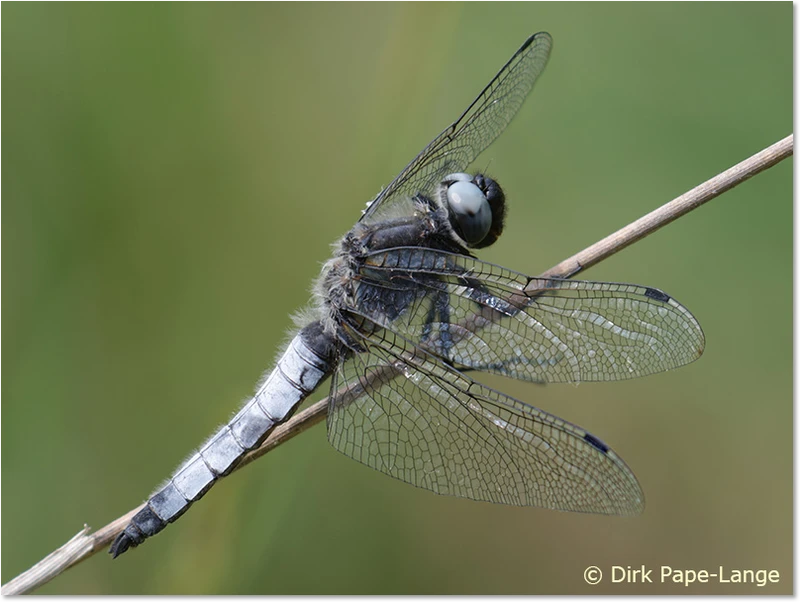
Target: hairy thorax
x,y
338,284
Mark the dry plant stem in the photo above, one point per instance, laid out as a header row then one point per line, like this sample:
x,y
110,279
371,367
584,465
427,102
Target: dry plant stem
x,y
79,548
85,544
674,209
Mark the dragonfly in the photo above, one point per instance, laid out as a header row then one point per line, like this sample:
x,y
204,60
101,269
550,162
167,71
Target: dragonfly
x,y
403,313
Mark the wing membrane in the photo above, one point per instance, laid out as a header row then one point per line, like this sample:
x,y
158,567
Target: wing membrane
x,y
483,121
481,316
403,412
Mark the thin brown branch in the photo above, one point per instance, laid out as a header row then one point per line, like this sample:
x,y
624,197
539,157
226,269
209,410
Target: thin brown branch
x,y
671,211
85,544
77,549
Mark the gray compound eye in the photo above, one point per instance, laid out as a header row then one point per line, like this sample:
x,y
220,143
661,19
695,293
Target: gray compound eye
x,y
470,214
456,177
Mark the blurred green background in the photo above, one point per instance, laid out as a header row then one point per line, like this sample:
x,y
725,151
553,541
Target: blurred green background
x,y
173,176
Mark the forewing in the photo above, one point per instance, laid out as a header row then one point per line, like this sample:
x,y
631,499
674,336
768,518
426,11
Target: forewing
x,y
540,330
483,121
401,411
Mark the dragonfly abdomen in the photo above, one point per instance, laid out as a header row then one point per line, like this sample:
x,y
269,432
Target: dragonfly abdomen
x,y
304,365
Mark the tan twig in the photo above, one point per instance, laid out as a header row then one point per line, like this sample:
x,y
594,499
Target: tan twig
x,y
671,211
79,548
85,544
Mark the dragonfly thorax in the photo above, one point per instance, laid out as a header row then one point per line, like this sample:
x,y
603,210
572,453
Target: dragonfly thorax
x,y
420,222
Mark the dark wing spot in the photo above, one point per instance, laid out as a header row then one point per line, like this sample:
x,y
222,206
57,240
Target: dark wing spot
x,y
656,294
591,439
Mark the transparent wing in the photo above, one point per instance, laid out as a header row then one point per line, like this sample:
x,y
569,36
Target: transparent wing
x,y
483,121
481,316
403,412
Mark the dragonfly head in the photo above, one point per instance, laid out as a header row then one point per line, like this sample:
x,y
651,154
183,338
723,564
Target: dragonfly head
x,y
476,207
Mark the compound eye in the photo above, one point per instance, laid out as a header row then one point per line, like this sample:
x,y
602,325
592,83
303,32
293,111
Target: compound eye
x,y
470,214
456,177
